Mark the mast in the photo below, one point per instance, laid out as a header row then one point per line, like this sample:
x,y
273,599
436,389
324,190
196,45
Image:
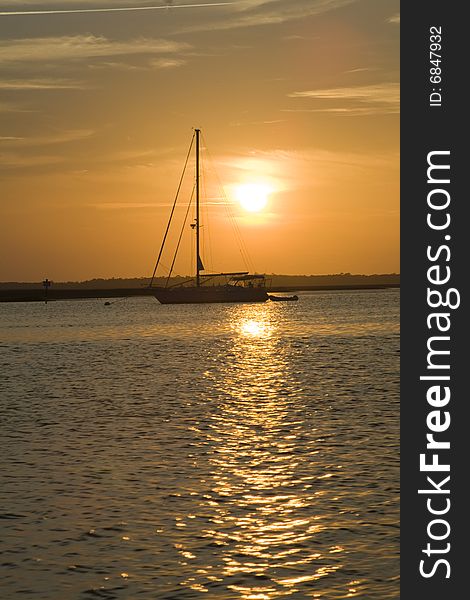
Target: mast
x,y
198,260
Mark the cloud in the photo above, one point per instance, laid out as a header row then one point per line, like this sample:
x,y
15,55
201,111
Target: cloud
x,y
361,70
8,107
383,98
126,205
166,63
10,160
243,5
56,138
395,19
249,123
259,13
344,112
40,84
157,63
81,47
286,169
23,158
120,65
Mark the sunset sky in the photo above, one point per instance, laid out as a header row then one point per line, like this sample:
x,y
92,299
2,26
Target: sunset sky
x,y
298,102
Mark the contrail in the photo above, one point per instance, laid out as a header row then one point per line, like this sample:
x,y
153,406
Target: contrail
x,y
107,10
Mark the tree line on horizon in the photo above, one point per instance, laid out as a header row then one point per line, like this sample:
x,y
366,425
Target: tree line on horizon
x,y
278,280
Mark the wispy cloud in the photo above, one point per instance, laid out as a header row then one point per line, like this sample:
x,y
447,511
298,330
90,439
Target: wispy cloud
x,y
155,63
54,138
143,157
394,19
166,63
243,5
126,205
361,70
40,84
7,107
286,169
81,46
118,65
383,92
344,112
249,123
258,13
10,160
366,99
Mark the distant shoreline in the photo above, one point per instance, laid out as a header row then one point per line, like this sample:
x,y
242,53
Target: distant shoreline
x,y
24,294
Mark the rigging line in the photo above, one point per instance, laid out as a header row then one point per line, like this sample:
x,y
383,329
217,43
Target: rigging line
x,y
203,220
172,211
242,246
206,237
165,270
240,241
164,265
181,235
192,262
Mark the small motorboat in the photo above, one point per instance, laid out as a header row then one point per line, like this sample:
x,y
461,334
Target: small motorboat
x,y
283,298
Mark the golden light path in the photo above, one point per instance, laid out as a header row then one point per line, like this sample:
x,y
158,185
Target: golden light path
x,y
259,508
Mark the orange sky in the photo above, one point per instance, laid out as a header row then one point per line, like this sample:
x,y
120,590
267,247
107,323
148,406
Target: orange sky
x,y
96,116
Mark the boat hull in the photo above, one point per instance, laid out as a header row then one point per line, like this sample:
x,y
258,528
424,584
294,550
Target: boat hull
x,y
283,298
210,295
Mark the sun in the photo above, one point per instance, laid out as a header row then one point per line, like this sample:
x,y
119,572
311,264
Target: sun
x,y
252,196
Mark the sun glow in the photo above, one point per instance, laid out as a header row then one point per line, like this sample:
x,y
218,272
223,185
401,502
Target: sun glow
x,y
253,197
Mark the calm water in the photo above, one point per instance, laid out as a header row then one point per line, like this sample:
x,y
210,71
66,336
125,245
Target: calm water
x,y
219,451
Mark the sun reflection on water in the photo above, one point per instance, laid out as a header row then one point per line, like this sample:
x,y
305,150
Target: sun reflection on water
x,y
260,502
255,328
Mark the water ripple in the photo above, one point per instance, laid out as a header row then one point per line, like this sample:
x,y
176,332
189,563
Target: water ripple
x,y
237,451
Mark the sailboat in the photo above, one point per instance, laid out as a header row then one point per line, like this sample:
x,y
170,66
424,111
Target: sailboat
x,y
240,286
